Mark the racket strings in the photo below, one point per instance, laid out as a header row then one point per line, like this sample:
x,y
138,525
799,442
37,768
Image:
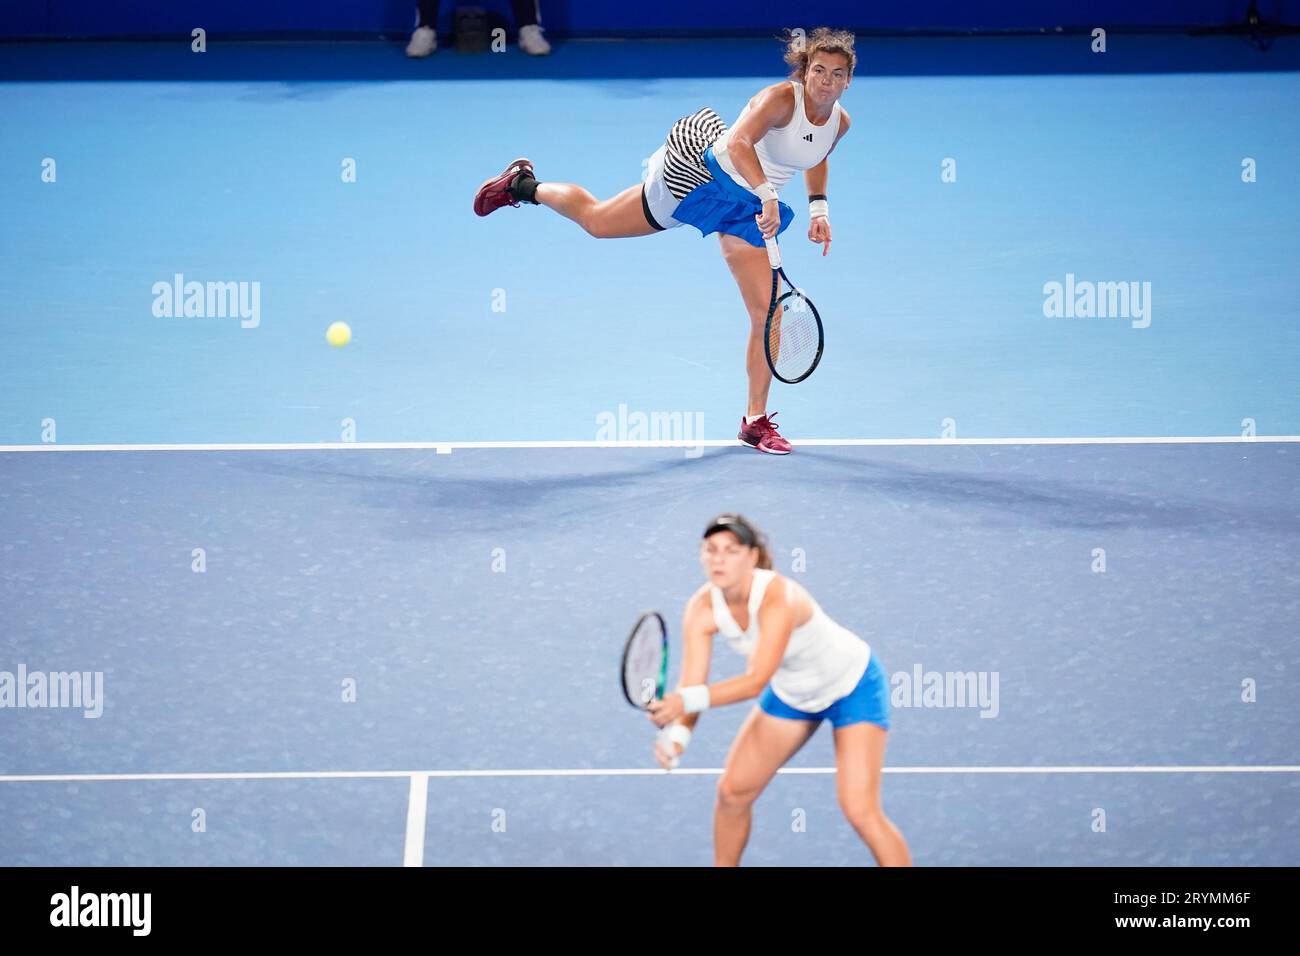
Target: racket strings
x,y
793,341
645,656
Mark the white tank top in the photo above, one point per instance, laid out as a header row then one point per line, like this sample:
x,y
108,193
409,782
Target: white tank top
x,y
823,660
788,150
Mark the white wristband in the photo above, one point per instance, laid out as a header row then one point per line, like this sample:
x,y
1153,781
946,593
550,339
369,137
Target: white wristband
x,y
677,734
765,192
696,698
818,207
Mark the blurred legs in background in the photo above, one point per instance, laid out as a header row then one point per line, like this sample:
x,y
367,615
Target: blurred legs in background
x,y
527,13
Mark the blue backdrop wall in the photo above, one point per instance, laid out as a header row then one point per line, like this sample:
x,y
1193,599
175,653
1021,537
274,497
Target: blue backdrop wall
x,y
108,18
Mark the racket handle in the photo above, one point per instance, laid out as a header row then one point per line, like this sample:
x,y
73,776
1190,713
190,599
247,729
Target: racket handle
x,y
773,253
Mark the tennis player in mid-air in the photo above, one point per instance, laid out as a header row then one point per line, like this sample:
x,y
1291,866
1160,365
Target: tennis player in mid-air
x,y
726,181
803,668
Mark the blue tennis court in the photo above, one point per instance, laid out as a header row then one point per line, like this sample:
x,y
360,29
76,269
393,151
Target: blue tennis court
x,y
364,605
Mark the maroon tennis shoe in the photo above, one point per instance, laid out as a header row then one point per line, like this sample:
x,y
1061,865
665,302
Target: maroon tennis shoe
x,y
495,193
762,434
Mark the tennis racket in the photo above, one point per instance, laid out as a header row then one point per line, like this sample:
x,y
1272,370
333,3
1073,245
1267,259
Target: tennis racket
x,y
645,668
793,339
645,661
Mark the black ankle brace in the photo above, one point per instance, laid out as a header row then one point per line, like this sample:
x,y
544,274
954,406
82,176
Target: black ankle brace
x,y
523,188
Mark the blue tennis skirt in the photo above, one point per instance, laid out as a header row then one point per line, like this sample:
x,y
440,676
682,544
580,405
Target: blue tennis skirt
x,y
723,205
869,701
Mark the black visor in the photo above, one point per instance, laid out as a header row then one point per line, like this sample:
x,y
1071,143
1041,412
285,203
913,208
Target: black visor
x,y
732,523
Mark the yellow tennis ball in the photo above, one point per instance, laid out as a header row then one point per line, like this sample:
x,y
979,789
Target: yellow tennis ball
x,y
338,335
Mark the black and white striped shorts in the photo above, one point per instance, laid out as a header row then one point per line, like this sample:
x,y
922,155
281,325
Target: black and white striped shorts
x,y
677,166
690,136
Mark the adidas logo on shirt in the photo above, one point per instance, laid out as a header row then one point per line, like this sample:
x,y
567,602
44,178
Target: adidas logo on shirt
x,y
808,138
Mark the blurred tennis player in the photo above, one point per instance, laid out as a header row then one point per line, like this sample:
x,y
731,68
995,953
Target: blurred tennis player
x,y
803,668
726,181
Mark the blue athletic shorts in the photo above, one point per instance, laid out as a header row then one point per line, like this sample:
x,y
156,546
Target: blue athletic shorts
x,y
723,205
868,701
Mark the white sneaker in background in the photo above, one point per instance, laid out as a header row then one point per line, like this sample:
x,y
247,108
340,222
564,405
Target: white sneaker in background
x,y
532,42
423,42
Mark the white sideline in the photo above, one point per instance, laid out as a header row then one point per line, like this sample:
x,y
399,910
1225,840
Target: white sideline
x,y
444,448
416,803
632,772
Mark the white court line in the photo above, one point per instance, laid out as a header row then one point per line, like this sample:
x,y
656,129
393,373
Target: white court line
x,y
416,803
636,772
445,447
